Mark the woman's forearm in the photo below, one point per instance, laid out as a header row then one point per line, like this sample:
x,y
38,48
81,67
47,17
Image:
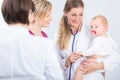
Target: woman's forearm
x,y
67,64
91,65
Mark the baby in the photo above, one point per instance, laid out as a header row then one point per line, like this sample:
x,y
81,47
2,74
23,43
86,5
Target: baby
x,y
101,46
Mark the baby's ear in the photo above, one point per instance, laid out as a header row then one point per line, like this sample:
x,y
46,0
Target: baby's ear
x,y
105,28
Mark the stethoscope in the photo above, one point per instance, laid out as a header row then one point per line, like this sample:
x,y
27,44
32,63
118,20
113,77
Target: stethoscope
x,y
72,48
73,42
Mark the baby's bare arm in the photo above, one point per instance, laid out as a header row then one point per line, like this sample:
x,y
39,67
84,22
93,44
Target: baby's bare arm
x,y
79,73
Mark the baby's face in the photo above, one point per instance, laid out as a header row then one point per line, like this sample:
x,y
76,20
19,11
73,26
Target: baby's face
x,y
97,28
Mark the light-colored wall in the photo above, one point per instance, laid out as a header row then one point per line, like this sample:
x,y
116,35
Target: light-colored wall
x,y
109,8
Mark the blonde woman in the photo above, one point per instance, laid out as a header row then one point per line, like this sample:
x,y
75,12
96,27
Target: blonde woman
x,y
42,17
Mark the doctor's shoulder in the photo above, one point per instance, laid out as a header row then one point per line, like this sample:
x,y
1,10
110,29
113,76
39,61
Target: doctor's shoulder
x,y
44,43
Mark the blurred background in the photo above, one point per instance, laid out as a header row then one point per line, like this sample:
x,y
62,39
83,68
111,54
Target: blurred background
x,y
108,8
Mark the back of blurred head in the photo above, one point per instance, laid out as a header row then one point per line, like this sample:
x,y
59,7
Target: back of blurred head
x,y
16,11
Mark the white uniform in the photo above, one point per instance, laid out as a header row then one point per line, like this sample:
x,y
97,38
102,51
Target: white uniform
x,y
27,57
83,39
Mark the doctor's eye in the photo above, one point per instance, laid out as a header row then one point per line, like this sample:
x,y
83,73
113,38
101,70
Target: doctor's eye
x,y
74,15
81,14
48,15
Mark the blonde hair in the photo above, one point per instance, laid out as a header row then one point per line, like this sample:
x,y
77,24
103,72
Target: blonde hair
x,y
42,7
64,33
102,19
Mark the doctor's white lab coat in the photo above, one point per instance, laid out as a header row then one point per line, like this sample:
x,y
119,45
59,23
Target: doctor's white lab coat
x,y
26,57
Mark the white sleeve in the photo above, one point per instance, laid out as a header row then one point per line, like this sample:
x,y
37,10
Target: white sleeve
x,y
93,50
61,54
98,47
89,52
62,58
53,70
112,61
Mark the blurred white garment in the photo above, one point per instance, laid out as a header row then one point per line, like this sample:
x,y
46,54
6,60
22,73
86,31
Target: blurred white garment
x,y
27,57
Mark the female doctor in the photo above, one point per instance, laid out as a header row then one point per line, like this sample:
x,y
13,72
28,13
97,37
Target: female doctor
x,y
72,33
42,17
23,56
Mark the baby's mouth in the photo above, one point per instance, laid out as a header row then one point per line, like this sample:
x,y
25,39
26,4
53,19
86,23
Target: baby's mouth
x,y
93,32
